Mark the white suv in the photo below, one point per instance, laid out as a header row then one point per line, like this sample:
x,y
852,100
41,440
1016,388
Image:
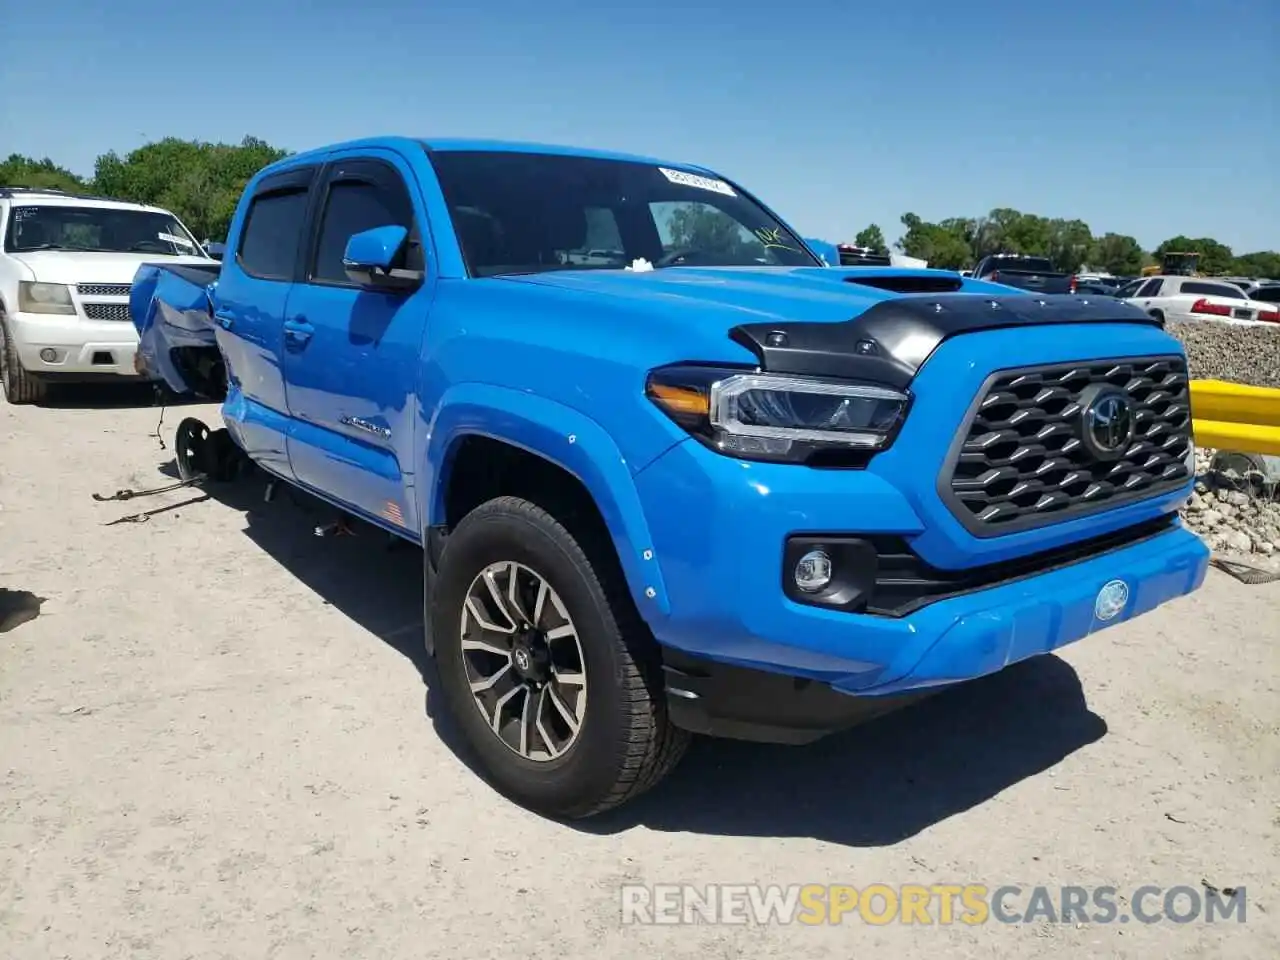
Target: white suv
x,y
66,264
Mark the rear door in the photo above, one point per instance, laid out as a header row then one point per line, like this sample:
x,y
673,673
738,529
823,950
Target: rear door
x,y
352,355
249,305
1148,294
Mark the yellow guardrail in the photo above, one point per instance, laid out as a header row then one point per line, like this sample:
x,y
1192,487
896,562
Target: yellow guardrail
x,y
1232,416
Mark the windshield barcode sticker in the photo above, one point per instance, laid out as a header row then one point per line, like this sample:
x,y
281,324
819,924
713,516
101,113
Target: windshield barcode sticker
x,y
693,180
170,238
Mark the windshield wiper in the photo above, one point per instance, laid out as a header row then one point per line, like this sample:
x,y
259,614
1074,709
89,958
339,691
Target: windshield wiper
x,y
49,246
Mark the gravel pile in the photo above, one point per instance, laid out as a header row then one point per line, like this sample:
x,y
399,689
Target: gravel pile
x,y
1232,352
1236,508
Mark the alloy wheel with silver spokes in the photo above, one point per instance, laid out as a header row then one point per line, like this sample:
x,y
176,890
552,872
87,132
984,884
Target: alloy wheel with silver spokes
x,y
523,661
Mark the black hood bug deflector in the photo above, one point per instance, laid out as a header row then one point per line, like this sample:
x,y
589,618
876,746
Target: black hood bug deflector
x,y
889,343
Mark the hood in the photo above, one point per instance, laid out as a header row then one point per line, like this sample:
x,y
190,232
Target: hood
x,y
71,267
859,323
759,294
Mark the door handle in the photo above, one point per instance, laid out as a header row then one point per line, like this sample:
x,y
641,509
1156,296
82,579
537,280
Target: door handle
x,y
225,320
298,330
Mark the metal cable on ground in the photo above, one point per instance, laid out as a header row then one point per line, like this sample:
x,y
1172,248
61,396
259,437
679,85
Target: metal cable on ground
x,y
1244,572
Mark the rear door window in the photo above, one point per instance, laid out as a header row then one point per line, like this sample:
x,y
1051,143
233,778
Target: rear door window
x,y
1212,290
273,228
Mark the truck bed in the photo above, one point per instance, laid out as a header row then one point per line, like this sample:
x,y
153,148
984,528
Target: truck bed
x,y
1034,281
171,308
1034,274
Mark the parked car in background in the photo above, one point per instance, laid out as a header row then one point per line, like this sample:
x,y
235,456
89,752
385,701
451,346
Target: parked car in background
x,y
66,262
1034,274
1096,287
1194,298
1263,291
713,486
852,255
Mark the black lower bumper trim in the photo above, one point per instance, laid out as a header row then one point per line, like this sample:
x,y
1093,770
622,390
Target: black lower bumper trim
x,y
738,703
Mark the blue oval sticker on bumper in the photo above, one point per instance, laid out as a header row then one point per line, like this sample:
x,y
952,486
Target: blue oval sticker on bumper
x,y
1112,599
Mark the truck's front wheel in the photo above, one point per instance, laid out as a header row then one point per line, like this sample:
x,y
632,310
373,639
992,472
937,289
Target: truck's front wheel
x,y
552,689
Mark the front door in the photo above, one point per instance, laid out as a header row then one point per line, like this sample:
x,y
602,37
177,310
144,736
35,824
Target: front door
x,y
352,355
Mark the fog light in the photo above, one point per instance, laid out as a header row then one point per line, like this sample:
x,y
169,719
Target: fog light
x,y
813,571
49,355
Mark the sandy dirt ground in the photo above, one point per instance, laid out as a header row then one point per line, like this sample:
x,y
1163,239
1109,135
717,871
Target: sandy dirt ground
x,y
217,740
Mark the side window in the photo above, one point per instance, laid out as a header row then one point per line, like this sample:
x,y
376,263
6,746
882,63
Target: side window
x,y
1212,290
357,202
1266,294
708,230
1129,289
273,226
1150,289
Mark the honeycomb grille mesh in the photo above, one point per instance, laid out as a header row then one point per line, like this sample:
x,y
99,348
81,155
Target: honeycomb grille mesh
x,y
103,289
107,311
1024,461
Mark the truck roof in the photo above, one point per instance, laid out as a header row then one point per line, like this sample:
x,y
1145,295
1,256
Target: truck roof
x,y
458,144
49,197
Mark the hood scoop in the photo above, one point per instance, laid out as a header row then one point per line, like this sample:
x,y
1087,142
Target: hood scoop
x,y
909,283
889,342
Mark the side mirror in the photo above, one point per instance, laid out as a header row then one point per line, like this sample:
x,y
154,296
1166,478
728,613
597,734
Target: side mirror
x,y
215,250
375,259
829,253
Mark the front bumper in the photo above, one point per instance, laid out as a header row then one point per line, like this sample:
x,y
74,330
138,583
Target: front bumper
x,y
723,569
79,347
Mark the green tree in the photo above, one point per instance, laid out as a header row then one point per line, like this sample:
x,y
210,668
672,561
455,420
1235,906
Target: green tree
x,y
941,247
1215,257
201,182
1070,242
872,237
20,171
1117,253
1264,263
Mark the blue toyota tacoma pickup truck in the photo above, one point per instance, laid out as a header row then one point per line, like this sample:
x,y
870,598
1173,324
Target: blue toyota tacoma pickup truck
x,y
671,472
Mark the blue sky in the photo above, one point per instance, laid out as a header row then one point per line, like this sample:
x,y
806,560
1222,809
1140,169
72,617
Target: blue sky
x,y
1150,117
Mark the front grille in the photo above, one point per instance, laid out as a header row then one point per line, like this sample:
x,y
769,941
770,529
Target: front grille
x,y
108,311
103,289
1023,459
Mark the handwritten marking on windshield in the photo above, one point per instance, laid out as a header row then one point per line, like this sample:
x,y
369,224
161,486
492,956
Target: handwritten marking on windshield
x,y
771,237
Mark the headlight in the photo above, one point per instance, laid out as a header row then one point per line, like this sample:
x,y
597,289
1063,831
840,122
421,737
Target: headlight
x,y
763,416
44,297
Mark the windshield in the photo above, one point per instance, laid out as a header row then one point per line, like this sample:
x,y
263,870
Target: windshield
x,y
530,212
96,230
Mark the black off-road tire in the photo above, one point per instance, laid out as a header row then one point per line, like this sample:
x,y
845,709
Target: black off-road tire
x,y
627,743
19,386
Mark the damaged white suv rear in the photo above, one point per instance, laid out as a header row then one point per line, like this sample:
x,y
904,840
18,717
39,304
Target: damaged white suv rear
x,y
66,263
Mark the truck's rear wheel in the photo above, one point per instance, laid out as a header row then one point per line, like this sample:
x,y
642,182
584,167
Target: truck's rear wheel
x,y
19,386
550,685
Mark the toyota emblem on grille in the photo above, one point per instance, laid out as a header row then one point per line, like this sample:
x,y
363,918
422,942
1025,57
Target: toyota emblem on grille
x,y
1108,423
